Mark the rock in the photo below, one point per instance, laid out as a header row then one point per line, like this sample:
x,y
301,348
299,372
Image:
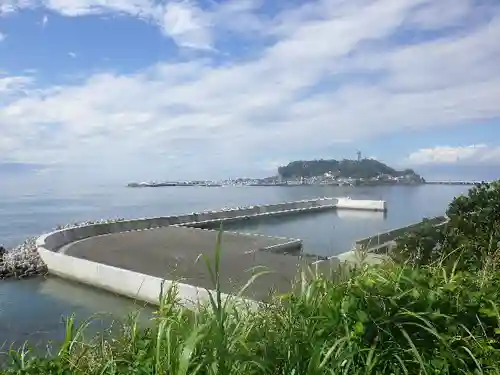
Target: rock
x,y
23,261
3,251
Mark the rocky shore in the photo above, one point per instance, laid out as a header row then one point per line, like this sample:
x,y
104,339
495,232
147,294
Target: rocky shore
x,y
23,261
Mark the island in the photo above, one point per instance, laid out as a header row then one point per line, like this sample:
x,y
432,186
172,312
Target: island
x,y
346,172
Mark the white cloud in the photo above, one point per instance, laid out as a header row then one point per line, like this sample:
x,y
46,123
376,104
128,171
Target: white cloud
x,y
467,155
329,72
13,85
2,37
441,13
72,55
190,23
422,66
187,24
193,26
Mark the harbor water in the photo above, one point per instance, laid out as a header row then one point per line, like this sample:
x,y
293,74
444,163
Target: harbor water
x,y
32,310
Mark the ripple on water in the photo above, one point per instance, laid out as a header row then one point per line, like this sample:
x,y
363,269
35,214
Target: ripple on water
x,y
33,310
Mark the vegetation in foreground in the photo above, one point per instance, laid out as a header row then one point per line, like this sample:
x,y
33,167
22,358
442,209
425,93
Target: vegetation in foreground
x,y
435,311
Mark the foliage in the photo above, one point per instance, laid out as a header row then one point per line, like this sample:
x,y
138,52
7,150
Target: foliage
x,y
365,168
390,321
418,247
469,239
387,320
477,215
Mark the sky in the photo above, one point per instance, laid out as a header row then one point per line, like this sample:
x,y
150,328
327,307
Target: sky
x,y
128,90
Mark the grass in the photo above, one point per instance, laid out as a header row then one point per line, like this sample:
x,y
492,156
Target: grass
x,y
386,319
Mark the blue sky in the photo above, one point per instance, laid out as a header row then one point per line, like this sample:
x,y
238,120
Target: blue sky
x,y
140,89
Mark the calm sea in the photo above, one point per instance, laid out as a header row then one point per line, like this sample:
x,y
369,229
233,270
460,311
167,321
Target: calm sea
x,y
33,309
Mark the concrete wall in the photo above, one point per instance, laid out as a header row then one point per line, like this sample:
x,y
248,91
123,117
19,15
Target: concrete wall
x,y
208,219
63,237
255,212
369,205
123,282
144,287
147,288
385,237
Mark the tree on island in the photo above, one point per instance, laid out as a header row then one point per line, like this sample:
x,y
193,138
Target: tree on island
x,y
364,168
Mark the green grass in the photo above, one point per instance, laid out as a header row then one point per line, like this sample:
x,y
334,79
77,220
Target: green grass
x,y
387,319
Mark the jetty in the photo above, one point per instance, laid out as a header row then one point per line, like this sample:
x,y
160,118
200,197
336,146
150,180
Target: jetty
x,y
140,258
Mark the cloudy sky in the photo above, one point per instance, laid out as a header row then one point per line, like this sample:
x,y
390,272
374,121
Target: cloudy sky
x,y
140,89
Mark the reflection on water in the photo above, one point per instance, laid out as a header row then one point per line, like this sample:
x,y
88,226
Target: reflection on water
x,y
33,310
323,233
361,215
84,297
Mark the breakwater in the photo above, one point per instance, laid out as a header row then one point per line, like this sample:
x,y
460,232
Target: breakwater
x,y
64,236
147,287
211,218
375,249
25,261
381,242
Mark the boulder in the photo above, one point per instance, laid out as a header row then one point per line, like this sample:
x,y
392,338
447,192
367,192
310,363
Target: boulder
x,y
3,251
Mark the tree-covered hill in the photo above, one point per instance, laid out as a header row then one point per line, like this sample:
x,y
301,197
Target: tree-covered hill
x,y
365,168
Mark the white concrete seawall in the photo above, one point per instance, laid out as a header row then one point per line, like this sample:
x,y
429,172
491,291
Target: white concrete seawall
x,y
365,205
62,237
145,287
376,247
121,281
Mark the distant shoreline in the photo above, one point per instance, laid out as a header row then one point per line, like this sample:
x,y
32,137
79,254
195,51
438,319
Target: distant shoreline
x,y
358,184
355,183
468,183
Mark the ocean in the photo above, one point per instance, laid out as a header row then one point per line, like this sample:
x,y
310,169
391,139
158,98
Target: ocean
x,y
32,310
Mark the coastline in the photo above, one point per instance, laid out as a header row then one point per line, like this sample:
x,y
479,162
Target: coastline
x,y
355,183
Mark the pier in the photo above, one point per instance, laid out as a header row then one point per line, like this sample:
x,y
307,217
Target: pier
x,y
137,258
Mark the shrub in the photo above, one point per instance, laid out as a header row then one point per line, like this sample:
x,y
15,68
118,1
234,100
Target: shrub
x,y
382,320
477,214
468,241
419,246
390,320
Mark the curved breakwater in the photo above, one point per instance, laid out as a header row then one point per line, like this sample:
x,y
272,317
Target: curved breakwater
x,y
25,261
57,239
